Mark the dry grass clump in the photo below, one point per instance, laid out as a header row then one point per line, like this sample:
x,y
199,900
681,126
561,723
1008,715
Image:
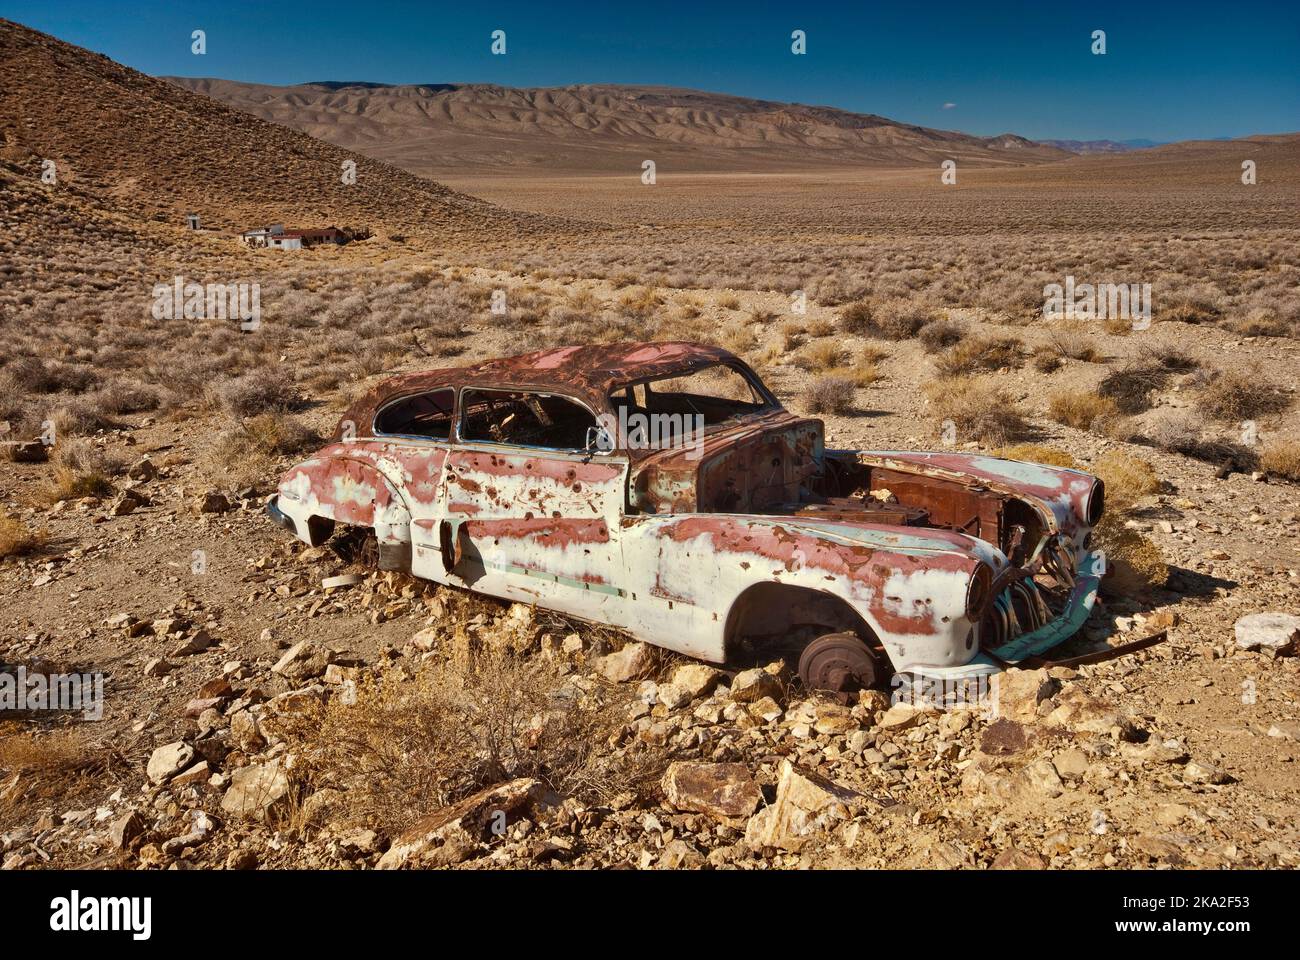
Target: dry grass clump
x,y
1201,304
1037,453
980,353
1136,561
409,746
829,393
979,408
729,301
940,335
895,319
1083,410
259,391
821,355
1281,458
1233,397
1127,478
126,397
38,767
1046,359
17,540
81,469
244,454
1076,345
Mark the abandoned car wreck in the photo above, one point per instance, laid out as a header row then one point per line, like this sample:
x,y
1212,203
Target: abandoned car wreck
x,y
727,530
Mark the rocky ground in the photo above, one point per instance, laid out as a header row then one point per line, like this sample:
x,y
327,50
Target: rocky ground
x,y
220,638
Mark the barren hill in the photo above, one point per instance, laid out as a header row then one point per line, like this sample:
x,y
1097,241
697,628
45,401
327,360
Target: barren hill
x,y
139,146
470,129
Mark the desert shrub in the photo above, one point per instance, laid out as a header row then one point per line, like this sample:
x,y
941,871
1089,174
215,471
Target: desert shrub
x,y
1131,387
729,301
1046,359
408,746
829,393
1036,453
857,317
1081,409
820,327
1167,357
126,397
259,391
979,409
1234,397
821,355
1201,304
1281,458
16,539
738,338
1075,345
979,353
244,454
1127,478
900,319
940,335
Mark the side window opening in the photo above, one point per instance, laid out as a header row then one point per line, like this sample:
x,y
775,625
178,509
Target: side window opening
x,y
524,419
426,415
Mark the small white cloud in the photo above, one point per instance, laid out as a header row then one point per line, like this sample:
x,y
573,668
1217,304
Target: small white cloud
x,y
949,106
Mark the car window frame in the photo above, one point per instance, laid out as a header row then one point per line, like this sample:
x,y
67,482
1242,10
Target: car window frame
x,y
415,437
460,438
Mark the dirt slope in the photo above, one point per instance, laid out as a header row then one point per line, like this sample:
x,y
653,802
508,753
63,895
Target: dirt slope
x,y
144,147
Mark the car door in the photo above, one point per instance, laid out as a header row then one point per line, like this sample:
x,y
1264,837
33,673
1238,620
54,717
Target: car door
x,y
529,513
411,437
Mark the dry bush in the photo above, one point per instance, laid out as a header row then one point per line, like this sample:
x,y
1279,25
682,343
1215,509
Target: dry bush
x,y
1082,409
820,328
409,746
857,317
979,408
1036,453
1281,458
1234,397
822,355
761,315
260,391
1131,387
729,301
1135,561
37,768
899,319
940,335
791,333
738,338
244,454
1075,345
1167,357
1127,478
17,540
126,397
829,393
1201,304
1046,359
81,469
979,353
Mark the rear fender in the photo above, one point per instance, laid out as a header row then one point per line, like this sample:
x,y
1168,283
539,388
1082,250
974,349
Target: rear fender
x,y
346,491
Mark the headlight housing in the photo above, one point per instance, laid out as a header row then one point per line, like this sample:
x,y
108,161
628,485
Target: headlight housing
x,y
978,591
1095,504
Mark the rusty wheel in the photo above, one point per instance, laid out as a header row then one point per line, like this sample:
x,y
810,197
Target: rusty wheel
x,y
839,663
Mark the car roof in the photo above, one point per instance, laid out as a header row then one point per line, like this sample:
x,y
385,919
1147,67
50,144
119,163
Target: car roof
x,y
588,372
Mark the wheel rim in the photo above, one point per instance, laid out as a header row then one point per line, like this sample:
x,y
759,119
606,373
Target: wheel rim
x,y
838,663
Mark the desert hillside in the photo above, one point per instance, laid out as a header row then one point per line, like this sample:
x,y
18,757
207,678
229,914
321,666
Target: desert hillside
x,y
467,128
130,143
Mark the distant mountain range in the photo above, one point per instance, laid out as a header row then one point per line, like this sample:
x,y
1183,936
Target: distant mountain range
x,y
440,128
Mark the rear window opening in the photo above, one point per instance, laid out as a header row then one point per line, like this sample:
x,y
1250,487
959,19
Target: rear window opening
x,y
718,394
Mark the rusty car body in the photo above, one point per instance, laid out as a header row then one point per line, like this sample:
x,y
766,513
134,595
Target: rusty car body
x,y
503,478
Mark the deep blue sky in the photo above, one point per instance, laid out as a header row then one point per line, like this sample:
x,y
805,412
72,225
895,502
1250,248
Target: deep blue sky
x,y
1172,71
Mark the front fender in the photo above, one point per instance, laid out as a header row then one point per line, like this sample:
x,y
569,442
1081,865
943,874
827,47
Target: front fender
x,y
909,587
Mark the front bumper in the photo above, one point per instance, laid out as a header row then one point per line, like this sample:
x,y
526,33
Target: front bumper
x,y
1034,642
279,516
